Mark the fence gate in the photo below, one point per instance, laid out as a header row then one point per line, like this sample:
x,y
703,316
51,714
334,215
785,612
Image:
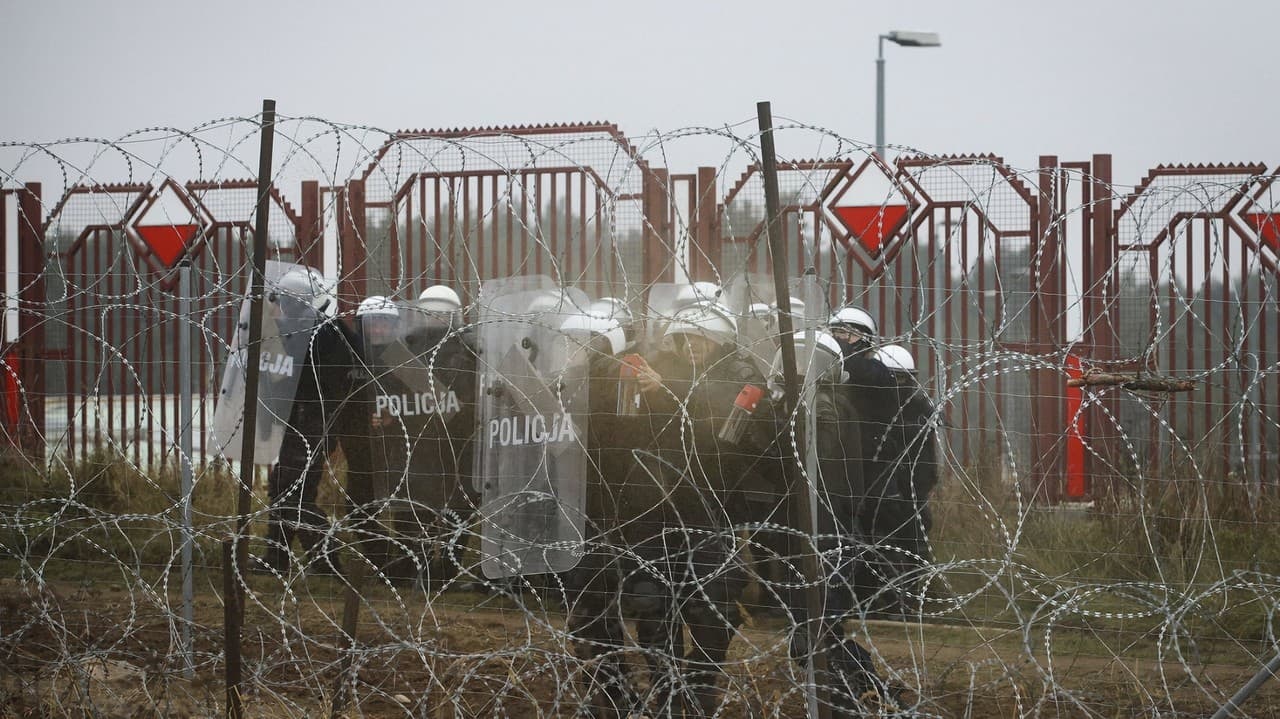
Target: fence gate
x,y
111,326
1197,273
949,255
460,207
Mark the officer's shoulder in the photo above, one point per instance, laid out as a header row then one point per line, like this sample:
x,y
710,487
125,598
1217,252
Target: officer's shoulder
x,y
868,371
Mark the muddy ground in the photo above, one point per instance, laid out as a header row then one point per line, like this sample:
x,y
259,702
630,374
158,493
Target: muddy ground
x,y
98,647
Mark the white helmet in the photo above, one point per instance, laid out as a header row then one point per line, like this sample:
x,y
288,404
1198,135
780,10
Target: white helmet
x,y
594,325
760,311
306,285
698,293
797,307
896,358
710,320
855,317
611,307
377,306
439,298
825,364
546,301
797,311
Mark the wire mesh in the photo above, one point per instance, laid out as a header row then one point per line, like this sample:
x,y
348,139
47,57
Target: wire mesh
x,y
989,542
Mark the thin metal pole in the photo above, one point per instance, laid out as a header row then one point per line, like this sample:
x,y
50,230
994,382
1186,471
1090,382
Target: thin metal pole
x,y
816,662
237,563
880,100
809,293
185,418
1246,691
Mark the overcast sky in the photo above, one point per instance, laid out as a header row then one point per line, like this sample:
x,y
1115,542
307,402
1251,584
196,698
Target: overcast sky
x,y
1147,81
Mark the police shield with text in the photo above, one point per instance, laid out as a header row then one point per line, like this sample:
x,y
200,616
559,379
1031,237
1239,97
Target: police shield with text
x,y
289,316
316,410
531,459
440,497
415,401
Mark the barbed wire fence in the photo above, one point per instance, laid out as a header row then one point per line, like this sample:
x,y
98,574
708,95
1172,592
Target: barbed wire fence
x,y
497,517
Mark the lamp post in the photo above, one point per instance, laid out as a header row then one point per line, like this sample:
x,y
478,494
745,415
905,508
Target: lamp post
x,y
905,38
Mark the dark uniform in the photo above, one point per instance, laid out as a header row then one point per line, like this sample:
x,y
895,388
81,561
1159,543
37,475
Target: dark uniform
x,y
873,391
840,486
437,497
910,443
842,498
698,486
593,587
661,496
330,410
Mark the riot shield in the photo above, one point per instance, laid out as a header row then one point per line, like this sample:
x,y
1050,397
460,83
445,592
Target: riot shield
x,y
753,299
411,451
661,304
533,405
288,321
398,352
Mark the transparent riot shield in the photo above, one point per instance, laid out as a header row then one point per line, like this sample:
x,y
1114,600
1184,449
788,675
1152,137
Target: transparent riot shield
x,y
411,449
288,321
753,299
533,408
399,347
661,304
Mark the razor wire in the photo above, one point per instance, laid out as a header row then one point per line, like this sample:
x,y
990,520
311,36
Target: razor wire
x,y
534,513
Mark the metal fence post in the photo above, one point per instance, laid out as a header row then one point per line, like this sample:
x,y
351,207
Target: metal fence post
x,y
31,309
659,247
800,499
185,419
352,251
238,563
1048,406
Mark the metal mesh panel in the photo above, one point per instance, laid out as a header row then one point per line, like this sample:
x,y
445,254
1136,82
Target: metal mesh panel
x,y
692,541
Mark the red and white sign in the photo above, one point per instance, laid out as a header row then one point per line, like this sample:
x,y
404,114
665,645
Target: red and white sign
x,y
168,242
871,225
873,211
168,224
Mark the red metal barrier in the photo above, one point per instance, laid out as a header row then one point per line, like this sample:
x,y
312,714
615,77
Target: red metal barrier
x,y
1175,278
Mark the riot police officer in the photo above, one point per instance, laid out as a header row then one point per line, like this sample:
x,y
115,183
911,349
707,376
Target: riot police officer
x,y
698,477
873,391
839,485
909,444
327,413
438,498
389,435
598,338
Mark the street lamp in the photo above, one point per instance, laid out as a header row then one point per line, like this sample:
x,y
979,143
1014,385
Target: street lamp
x,y
905,38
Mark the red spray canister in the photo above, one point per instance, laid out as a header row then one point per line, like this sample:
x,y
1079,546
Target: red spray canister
x,y
743,407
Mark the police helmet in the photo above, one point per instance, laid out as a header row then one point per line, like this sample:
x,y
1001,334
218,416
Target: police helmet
x,y
590,325
439,298
896,358
855,318
377,306
698,293
547,301
760,311
306,285
823,365
710,320
797,307
611,307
